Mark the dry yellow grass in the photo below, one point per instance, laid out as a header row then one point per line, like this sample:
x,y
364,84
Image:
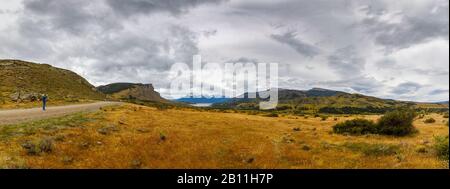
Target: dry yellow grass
x,y
143,137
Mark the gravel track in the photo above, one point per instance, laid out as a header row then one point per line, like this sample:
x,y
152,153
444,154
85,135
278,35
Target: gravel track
x,y
24,115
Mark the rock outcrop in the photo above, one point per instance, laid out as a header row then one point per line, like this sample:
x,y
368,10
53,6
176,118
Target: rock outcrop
x,y
133,91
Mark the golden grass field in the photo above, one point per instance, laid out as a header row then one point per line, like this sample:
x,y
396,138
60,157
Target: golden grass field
x,y
132,136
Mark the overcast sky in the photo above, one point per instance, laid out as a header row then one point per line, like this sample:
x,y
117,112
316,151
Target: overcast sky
x,y
390,49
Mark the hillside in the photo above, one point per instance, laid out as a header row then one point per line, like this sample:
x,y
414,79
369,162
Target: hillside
x,y
131,91
319,100
22,81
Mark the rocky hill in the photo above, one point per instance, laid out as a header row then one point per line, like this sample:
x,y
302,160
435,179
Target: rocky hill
x,y
131,91
22,81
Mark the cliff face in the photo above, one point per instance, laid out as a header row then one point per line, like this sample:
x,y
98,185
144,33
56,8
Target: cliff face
x,y
145,92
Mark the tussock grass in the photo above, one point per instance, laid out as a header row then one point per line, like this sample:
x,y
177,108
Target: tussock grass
x,y
373,149
47,125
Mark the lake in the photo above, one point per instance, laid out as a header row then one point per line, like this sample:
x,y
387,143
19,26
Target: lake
x,y
202,104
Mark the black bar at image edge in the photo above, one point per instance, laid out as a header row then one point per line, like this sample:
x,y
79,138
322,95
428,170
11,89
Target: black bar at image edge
x,y
228,178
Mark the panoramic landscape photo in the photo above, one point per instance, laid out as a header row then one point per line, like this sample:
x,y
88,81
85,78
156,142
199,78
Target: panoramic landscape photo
x,y
224,84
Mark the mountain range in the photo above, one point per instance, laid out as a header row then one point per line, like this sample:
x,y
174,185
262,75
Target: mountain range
x,y
318,100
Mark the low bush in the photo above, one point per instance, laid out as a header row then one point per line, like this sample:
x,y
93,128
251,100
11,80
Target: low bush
x,y
355,127
162,136
397,123
441,147
430,120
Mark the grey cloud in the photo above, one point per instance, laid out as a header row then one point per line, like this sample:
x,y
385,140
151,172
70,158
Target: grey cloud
x,y
407,87
98,38
127,55
73,16
412,29
244,60
209,33
175,7
138,40
438,91
386,63
347,62
434,72
360,84
290,39
78,16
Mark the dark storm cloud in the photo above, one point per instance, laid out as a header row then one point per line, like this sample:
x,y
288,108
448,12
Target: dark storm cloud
x,y
407,87
290,39
175,7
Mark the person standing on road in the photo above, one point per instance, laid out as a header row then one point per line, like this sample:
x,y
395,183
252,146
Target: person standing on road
x,y
44,101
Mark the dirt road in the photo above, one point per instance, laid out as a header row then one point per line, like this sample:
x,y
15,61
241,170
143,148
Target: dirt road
x,y
22,115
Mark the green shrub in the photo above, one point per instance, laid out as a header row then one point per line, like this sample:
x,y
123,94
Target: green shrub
x,y
398,123
355,127
430,120
323,118
441,147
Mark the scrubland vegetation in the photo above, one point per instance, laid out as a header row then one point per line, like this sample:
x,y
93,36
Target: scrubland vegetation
x,y
397,123
160,136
